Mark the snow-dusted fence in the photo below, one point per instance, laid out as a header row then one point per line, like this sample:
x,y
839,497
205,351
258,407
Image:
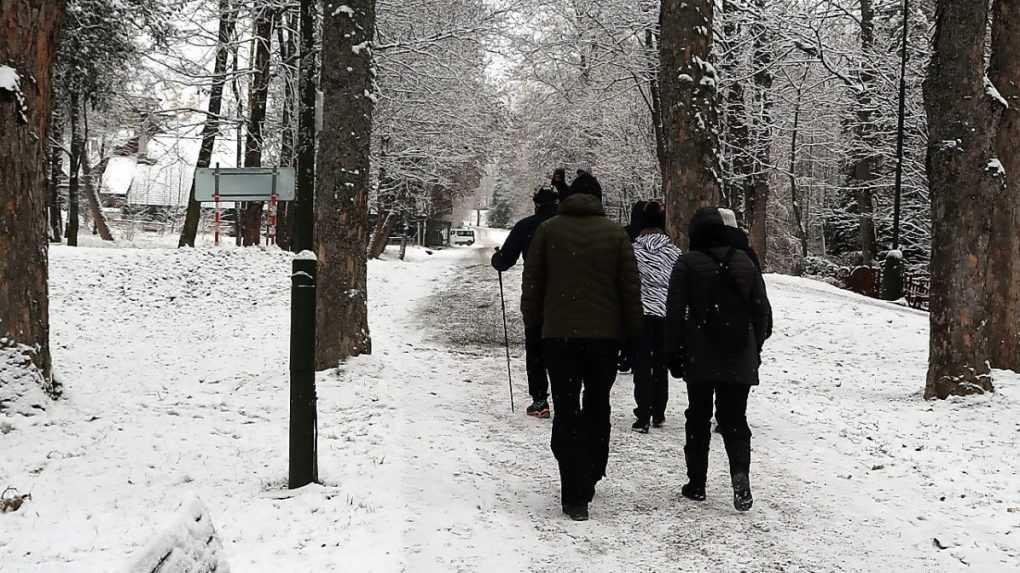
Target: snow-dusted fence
x,y
189,544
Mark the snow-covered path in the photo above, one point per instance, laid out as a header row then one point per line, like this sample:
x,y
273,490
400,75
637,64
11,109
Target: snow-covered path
x,y
176,366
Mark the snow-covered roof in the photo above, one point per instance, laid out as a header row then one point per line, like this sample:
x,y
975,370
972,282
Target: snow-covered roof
x,y
164,175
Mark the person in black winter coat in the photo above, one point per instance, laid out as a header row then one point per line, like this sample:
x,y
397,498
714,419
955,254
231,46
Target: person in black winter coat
x,y
514,247
715,290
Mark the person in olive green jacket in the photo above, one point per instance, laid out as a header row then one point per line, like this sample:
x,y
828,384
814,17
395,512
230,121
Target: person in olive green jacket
x,y
581,284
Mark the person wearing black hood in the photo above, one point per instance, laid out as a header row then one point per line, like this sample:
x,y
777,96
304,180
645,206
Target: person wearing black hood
x,y
636,225
514,247
717,319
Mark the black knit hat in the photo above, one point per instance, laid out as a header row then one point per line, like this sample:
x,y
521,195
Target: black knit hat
x,y
653,216
545,196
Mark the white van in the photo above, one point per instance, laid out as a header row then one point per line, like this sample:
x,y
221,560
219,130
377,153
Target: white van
x,y
462,237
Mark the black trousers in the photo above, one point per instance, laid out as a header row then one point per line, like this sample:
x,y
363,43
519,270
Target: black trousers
x,y
651,378
580,433
731,414
538,382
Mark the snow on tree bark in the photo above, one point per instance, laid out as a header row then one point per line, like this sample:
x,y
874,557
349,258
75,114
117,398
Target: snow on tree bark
x,y
30,30
341,202
689,111
963,119
211,127
1004,73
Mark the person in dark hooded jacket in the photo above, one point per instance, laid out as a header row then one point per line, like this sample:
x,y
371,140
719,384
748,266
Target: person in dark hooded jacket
x,y
514,247
716,290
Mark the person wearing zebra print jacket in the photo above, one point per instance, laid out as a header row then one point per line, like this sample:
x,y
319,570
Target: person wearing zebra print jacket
x,y
655,254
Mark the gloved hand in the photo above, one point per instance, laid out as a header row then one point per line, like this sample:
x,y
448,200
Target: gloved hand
x,y
677,364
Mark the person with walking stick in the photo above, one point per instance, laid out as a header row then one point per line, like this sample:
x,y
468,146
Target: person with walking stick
x,y
581,286
516,246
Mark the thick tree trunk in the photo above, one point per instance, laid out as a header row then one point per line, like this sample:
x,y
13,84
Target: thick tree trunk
x,y
73,197
864,169
29,30
690,111
963,119
756,194
1004,72
655,95
211,127
56,174
341,210
252,218
304,212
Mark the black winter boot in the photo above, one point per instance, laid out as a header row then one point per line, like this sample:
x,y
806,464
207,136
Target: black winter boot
x,y
693,492
738,449
578,512
742,499
696,456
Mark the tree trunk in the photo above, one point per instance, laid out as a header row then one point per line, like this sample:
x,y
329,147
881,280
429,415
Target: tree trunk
x,y
740,166
288,49
91,192
30,31
303,207
73,180
963,119
1004,72
257,117
655,95
864,170
798,212
212,121
756,197
341,210
381,235
690,111
56,174
92,196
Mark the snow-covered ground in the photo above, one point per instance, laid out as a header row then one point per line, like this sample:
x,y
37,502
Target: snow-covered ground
x,y
175,372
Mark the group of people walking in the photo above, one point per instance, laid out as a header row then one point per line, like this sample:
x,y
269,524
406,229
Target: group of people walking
x,y
598,298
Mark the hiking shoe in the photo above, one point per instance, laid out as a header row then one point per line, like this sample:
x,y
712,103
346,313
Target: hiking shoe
x,y
658,422
577,512
742,500
693,492
539,409
640,426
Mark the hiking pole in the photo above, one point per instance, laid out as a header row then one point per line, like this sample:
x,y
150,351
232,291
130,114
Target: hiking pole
x,y
506,342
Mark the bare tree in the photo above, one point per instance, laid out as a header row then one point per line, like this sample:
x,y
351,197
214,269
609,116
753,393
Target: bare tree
x,y
964,112
259,95
26,58
341,202
211,127
689,110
